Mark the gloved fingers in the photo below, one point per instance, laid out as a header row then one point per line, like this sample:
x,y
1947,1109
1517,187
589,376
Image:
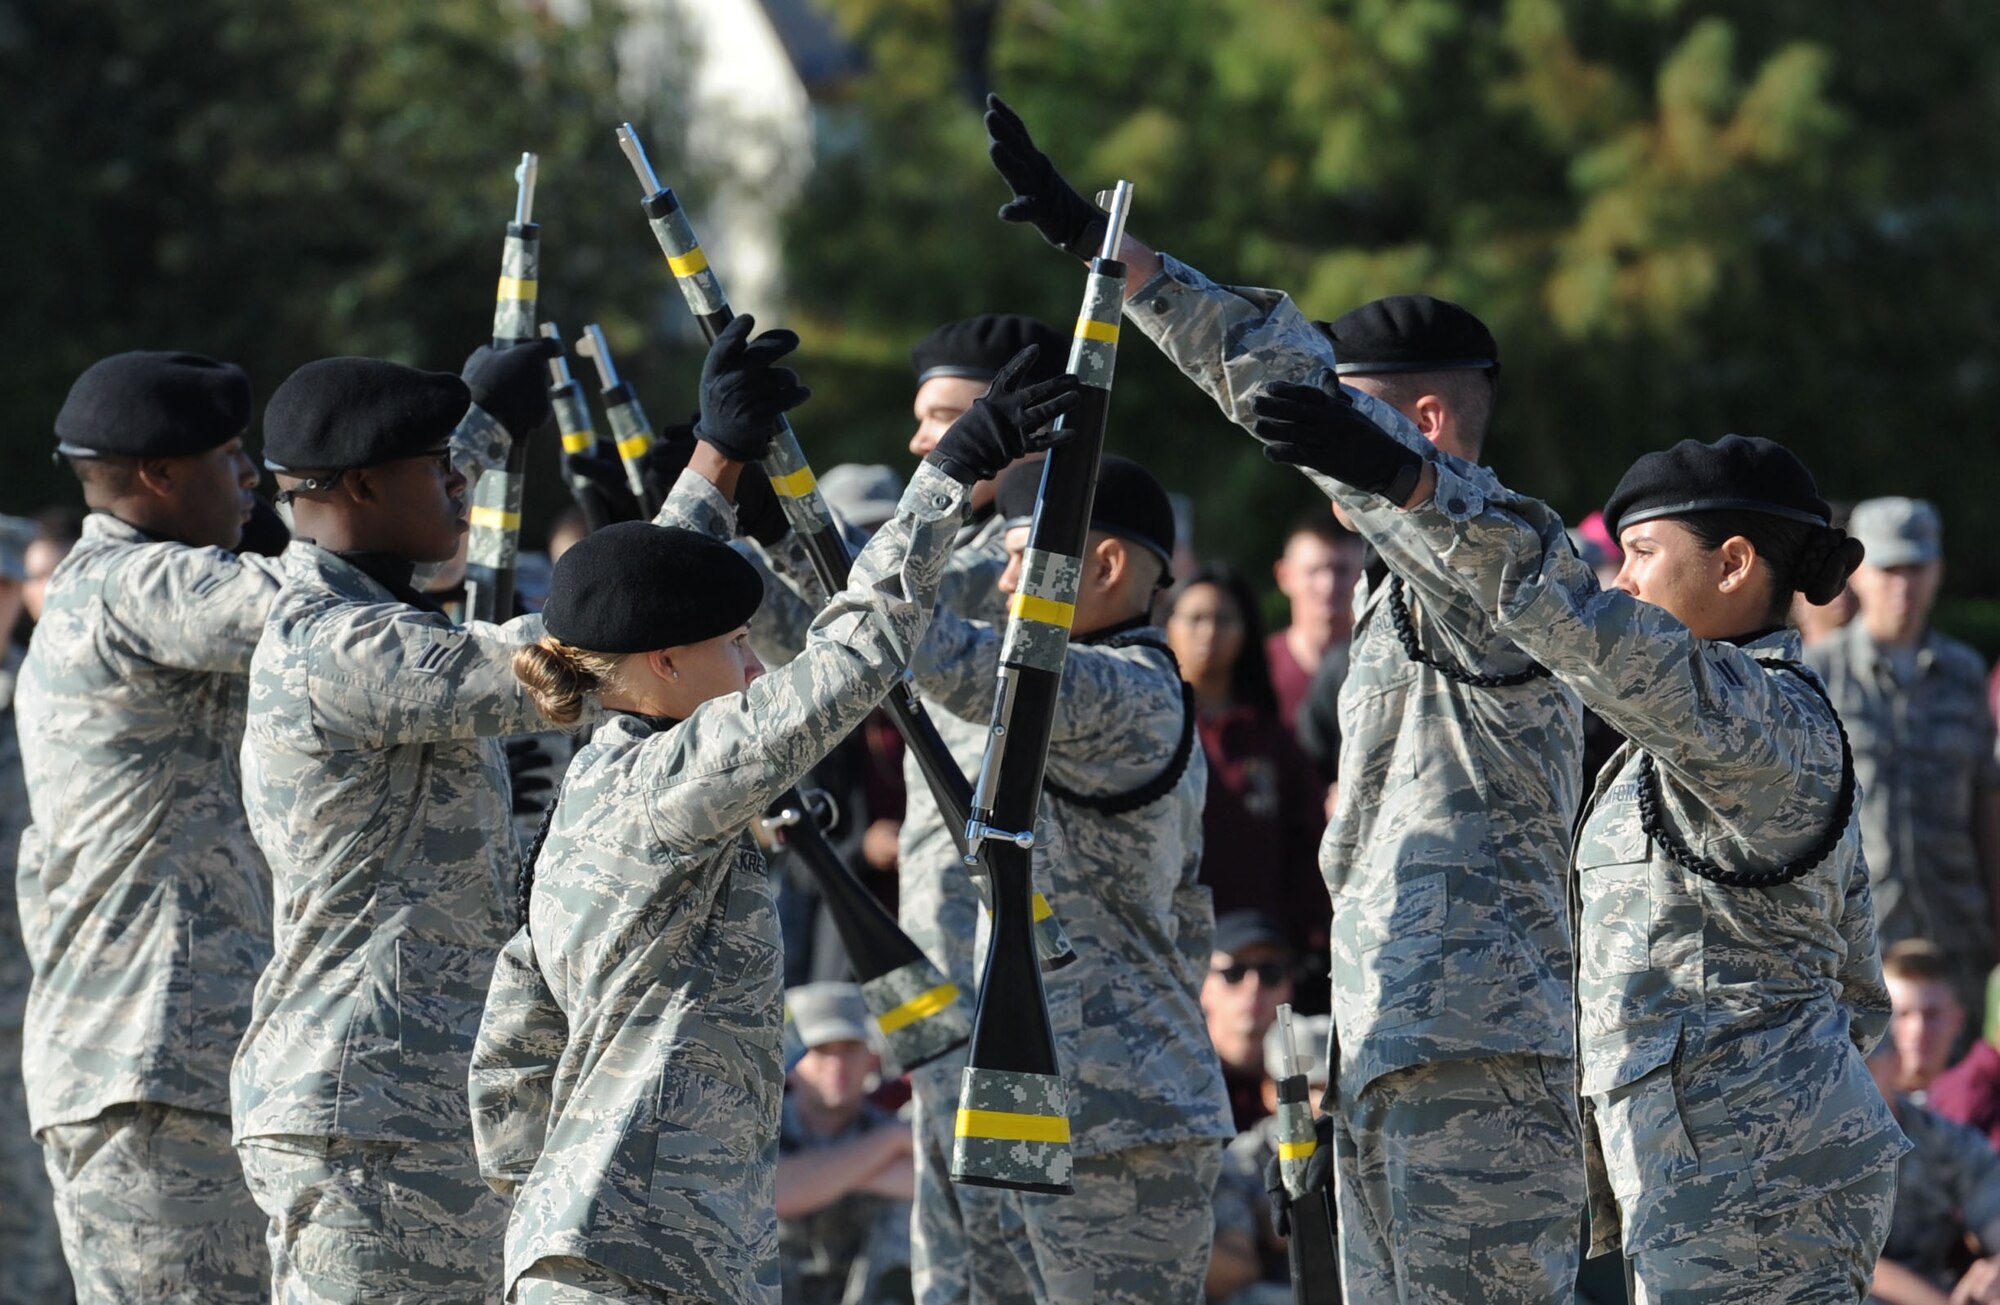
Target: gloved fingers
x,y
1278,407
1019,209
767,348
1003,380
1288,454
1041,441
728,347
1046,409
541,349
1003,124
1299,392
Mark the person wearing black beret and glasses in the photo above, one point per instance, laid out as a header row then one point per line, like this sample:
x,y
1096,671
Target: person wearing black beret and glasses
x,y
1730,984
626,1083
145,905
376,784
1451,959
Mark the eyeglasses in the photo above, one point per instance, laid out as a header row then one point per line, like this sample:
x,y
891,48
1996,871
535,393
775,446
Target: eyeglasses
x,y
1267,972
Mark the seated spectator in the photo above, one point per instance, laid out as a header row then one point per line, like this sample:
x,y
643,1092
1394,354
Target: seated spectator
x,y
1947,1190
1969,1092
1250,975
1926,1018
1263,818
1248,1265
845,1177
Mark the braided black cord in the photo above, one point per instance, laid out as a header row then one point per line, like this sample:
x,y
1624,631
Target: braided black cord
x,y
1770,877
1406,631
1118,804
524,877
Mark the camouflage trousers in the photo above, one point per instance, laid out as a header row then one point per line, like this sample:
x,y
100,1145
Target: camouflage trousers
x,y
153,1208
1820,1253
566,1280
1136,1231
31,1253
389,1223
1461,1181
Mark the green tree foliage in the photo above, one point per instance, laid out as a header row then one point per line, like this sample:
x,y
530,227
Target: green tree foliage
x,y
286,180
1680,218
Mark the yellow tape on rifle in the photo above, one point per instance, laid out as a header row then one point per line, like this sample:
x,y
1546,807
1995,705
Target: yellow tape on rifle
x,y
515,288
1042,611
493,518
1088,328
692,263
920,1007
1007,1126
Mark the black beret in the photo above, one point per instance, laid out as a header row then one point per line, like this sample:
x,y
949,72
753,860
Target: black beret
x,y
1129,504
153,405
1410,333
1736,473
636,587
979,347
340,413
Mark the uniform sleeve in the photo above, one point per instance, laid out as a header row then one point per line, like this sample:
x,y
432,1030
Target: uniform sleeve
x,y
522,1034
696,504
792,598
960,661
195,609
1237,341
387,674
714,773
1743,741
1862,990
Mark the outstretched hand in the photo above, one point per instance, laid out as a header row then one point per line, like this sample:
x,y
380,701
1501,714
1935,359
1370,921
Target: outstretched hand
x,y
1306,426
1010,421
1066,219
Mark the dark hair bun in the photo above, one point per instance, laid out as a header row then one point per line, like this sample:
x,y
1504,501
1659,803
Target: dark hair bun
x,y
1827,558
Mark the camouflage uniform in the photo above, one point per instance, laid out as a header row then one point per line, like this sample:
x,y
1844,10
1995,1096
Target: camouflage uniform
x,y
1924,752
1147,1101
626,1082
144,908
1947,1186
1452,953
1737,1144
376,784
31,1255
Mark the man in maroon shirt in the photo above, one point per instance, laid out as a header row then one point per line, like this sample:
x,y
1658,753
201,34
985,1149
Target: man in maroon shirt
x,y
1969,1092
1316,574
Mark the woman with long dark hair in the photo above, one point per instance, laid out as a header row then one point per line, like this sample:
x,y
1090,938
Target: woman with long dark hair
x,y
1262,822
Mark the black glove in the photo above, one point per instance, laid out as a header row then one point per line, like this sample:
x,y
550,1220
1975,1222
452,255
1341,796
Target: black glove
x,y
1006,423
1318,1176
743,395
760,514
530,767
601,491
512,384
1304,426
1066,219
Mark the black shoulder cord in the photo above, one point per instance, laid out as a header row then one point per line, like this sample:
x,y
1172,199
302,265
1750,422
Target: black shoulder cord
x,y
1118,804
524,878
1683,855
1406,631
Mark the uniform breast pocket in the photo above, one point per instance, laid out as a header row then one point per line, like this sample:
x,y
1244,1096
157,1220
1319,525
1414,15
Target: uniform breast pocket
x,y
1388,954
708,1180
1617,933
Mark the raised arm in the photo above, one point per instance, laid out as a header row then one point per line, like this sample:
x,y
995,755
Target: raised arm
x,y
721,767
388,674
195,609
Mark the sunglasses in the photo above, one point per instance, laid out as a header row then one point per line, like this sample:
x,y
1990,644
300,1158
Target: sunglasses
x,y
1267,972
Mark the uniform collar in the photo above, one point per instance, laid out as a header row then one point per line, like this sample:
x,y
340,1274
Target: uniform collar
x,y
102,525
